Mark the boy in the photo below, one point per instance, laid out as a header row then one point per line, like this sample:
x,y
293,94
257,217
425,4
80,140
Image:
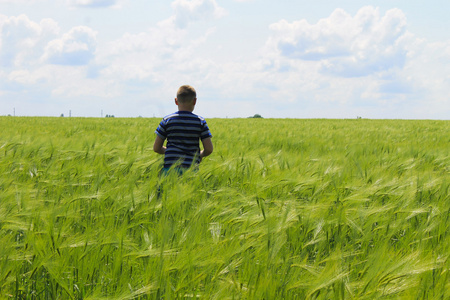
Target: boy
x,y
183,131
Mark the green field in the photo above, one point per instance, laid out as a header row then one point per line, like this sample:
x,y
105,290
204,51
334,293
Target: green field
x,y
283,209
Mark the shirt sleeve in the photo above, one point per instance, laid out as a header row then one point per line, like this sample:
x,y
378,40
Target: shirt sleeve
x,y
161,130
205,131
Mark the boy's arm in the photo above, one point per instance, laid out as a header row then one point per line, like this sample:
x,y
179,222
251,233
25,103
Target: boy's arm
x,y
158,146
207,147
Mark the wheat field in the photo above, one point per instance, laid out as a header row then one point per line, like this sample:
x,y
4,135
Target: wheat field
x,y
283,209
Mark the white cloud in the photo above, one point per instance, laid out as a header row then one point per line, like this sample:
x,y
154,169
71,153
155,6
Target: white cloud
x,y
23,76
93,3
368,63
77,47
21,1
346,46
163,53
187,11
429,72
133,62
28,50
22,40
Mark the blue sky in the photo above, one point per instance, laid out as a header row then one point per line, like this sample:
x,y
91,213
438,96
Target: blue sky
x,y
281,59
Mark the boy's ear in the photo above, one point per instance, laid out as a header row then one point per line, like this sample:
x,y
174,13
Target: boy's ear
x,y
176,101
195,101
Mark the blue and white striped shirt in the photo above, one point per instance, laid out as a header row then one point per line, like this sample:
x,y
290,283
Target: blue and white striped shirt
x,y
183,131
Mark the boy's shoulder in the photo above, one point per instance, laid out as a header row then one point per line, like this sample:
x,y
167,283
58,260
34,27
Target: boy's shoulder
x,y
169,116
183,115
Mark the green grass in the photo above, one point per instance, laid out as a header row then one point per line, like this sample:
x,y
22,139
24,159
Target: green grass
x,y
293,209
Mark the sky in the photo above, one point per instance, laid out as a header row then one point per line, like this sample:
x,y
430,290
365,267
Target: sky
x,y
379,59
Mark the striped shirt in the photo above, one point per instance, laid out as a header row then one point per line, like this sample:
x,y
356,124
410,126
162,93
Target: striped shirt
x,y
183,131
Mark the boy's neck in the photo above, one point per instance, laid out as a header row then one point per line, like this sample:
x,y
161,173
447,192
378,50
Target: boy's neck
x,y
185,108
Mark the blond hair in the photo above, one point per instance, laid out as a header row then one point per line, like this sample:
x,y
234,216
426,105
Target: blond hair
x,y
186,93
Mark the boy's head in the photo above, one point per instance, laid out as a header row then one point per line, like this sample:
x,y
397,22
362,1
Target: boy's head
x,y
186,94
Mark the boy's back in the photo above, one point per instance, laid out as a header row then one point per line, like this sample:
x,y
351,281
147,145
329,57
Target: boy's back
x,y
183,131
